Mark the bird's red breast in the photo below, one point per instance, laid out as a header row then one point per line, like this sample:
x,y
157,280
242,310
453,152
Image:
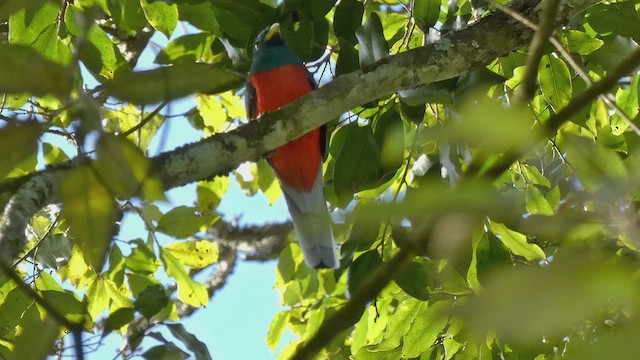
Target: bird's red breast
x,y
296,162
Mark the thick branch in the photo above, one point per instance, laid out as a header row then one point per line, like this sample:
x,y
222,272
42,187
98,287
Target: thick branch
x,y
455,54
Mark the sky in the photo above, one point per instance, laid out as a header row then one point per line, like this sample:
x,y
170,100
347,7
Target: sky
x,y
235,323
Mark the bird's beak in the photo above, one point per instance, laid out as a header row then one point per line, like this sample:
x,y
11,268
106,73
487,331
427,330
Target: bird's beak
x,y
273,31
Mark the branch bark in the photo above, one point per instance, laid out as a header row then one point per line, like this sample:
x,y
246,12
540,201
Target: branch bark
x,y
456,53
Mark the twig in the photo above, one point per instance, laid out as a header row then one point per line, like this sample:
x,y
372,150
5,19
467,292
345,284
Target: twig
x,y
144,121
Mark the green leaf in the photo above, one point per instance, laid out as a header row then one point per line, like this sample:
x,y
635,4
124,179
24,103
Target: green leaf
x,y
363,266
162,16
172,82
210,193
240,20
189,291
199,15
426,13
620,18
98,300
347,19
276,329
425,329
91,212
165,352
533,176
555,81
192,343
536,202
414,280
151,301
97,51
627,100
357,163
371,42
32,20
53,154
347,58
615,49
195,254
66,303
18,141
517,243
118,319
298,35
142,259
14,302
579,42
185,49
24,70
184,221
400,322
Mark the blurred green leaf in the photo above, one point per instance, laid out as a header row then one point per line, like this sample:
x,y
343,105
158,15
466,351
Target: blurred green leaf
x,y
172,82
18,141
167,351
620,18
91,212
24,70
211,192
347,58
536,202
48,330
627,99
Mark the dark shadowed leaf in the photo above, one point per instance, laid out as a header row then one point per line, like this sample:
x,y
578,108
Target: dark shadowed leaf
x,y
347,58
426,13
347,19
356,166
363,266
151,300
371,42
414,280
118,319
190,341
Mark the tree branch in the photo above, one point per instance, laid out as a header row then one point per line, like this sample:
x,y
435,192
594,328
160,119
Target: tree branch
x,y
472,48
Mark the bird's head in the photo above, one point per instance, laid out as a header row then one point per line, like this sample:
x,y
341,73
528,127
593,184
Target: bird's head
x,y
270,51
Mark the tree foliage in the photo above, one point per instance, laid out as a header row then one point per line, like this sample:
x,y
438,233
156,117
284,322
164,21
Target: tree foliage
x,y
485,172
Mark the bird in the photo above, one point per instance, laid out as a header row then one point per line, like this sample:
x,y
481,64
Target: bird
x,y
277,77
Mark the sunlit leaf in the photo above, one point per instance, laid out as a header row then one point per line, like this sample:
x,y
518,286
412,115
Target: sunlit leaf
x,y
555,81
517,243
161,15
189,291
194,254
183,221
276,329
579,42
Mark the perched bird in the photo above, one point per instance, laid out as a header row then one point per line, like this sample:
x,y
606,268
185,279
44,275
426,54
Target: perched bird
x,y
278,77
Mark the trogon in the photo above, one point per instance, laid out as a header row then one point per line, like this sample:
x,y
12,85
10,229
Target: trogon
x,y
278,77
